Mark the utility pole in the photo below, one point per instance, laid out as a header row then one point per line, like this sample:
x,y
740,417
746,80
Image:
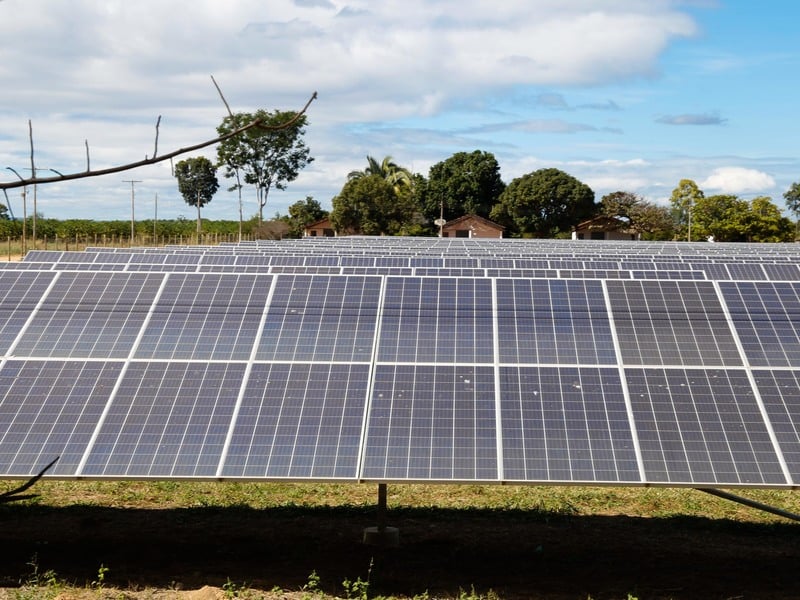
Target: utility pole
x,y
155,222
133,198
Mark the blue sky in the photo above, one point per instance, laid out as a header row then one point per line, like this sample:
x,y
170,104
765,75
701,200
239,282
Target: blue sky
x,y
630,95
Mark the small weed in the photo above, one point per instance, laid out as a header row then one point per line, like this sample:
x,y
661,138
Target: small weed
x,y
100,581
38,584
473,595
312,588
231,589
358,589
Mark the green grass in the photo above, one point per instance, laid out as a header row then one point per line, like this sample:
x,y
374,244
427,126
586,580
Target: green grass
x,y
629,501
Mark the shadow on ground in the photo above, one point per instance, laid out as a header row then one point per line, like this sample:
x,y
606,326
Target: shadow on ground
x,y
518,554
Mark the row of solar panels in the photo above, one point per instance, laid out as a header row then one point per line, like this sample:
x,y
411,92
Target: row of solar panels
x,y
420,266
193,316
411,422
371,377
430,373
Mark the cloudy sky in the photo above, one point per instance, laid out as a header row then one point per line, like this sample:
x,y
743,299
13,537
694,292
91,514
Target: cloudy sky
x,y
630,95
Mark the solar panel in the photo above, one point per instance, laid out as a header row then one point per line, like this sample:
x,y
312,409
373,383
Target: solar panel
x,y
89,315
432,422
701,426
50,409
544,321
166,420
20,293
766,316
671,323
205,317
299,420
780,393
436,320
566,424
314,318
406,359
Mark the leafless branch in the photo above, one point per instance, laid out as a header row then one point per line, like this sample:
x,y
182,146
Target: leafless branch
x,y
150,161
225,102
155,150
30,135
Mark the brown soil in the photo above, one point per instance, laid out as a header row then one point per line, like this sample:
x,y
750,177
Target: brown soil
x,y
517,554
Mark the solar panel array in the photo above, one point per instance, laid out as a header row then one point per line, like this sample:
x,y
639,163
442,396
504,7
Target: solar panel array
x,y
406,359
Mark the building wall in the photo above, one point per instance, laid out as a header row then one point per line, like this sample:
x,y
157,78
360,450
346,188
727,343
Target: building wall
x,y
479,230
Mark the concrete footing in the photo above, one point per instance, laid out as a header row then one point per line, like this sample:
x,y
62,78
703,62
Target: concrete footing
x,y
383,537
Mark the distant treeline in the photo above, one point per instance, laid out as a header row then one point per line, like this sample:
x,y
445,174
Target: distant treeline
x,y
89,228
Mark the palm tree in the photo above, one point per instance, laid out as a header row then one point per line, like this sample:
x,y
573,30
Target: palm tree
x,y
399,177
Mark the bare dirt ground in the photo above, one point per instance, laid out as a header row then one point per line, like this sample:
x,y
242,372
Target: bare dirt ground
x,y
516,554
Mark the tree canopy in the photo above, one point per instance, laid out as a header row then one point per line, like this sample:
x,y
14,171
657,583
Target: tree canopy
x,y
303,213
648,220
683,199
268,157
792,198
544,203
3,212
197,182
465,183
369,205
728,218
398,177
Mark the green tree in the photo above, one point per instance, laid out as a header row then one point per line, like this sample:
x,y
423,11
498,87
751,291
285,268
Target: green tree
x,y
398,177
729,218
683,199
268,157
197,182
653,222
465,183
369,206
724,217
648,220
544,203
4,213
767,223
302,213
792,198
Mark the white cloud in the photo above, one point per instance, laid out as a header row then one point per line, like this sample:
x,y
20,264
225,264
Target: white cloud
x,y
393,78
737,180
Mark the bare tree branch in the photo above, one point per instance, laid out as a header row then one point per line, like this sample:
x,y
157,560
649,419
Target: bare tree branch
x,y
150,161
155,150
30,135
225,102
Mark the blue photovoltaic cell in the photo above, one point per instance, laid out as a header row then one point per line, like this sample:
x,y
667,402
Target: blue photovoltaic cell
x,y
671,323
701,426
766,316
299,421
437,320
49,409
167,420
566,424
553,322
780,393
20,292
90,315
432,422
320,317
206,317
